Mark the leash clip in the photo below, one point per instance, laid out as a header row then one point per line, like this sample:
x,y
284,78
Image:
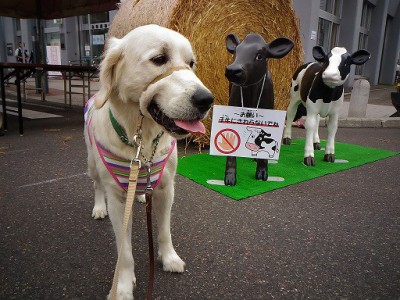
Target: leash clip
x,y
138,143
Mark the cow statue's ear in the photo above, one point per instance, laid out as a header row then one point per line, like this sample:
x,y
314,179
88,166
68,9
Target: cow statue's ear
x,y
279,47
319,53
360,57
231,42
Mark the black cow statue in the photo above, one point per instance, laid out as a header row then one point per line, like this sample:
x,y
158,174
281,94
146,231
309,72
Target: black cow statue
x,y
250,82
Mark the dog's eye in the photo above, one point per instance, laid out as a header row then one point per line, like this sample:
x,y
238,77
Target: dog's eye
x,y
159,59
191,64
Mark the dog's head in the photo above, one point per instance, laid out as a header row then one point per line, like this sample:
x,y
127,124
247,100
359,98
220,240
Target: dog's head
x,y
154,67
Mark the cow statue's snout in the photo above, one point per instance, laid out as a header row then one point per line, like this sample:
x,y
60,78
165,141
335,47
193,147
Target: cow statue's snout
x,y
331,77
235,73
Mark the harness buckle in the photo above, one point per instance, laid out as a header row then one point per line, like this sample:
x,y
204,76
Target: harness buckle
x,y
149,188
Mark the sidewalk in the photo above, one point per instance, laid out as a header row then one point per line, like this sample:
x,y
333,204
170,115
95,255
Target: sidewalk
x,y
378,110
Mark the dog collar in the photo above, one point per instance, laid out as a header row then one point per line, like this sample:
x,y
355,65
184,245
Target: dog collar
x,y
122,135
119,130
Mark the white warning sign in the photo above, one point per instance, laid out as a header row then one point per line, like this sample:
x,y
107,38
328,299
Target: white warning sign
x,y
246,132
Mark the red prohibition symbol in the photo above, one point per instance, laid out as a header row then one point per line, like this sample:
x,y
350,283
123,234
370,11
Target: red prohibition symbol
x,y
229,142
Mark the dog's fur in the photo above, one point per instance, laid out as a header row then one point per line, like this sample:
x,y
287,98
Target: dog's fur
x,y
128,70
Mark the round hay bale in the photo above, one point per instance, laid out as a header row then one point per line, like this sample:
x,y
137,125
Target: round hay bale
x,y
206,23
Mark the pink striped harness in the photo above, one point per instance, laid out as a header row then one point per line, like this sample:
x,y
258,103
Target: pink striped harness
x,y
119,167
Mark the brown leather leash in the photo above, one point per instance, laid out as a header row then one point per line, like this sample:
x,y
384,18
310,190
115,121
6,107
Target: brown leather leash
x,y
149,196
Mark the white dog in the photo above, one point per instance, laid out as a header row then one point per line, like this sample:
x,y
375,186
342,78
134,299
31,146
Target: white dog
x,y
148,83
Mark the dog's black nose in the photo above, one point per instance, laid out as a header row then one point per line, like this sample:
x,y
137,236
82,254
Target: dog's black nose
x,y
202,99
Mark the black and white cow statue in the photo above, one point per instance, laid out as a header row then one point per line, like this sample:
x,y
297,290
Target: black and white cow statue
x,y
319,85
250,83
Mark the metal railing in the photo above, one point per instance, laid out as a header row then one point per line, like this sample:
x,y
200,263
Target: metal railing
x,y
21,71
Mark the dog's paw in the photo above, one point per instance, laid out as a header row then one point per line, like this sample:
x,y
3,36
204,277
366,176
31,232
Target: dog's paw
x,y
122,295
99,212
172,263
141,198
124,291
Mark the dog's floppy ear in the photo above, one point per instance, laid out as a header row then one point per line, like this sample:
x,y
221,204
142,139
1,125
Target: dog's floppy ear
x,y
107,81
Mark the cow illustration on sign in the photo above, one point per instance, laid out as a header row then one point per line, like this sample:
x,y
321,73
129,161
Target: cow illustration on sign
x,y
259,141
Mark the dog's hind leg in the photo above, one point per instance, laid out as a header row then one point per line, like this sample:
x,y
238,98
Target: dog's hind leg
x,y
126,279
163,199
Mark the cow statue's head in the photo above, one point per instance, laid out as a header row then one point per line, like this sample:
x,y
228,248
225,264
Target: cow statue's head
x,y
336,64
251,57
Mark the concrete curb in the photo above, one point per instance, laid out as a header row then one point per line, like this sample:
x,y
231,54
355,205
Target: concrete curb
x,y
388,122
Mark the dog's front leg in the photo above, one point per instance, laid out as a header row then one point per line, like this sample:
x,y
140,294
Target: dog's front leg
x,y
127,279
163,199
99,209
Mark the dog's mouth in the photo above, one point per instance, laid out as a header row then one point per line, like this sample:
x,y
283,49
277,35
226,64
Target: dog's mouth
x,y
175,126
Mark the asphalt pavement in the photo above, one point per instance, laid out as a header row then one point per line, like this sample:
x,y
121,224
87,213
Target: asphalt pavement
x,y
333,237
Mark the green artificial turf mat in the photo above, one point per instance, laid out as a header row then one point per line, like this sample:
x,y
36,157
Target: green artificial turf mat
x,y
203,167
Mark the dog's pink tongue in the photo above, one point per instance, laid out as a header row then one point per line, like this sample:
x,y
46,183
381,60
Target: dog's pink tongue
x,y
191,126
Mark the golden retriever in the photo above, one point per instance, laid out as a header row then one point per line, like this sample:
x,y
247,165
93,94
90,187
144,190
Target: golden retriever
x,y
147,81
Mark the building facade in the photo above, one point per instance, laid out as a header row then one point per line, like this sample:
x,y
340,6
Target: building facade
x,y
373,25
81,39
354,24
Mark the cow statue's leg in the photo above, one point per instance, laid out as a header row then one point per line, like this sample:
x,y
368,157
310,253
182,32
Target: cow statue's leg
x,y
290,114
311,125
330,141
316,140
230,171
262,169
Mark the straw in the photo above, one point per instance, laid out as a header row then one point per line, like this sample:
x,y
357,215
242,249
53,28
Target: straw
x,y
206,24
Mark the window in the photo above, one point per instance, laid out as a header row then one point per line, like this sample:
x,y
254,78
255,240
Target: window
x,y
331,6
328,23
323,33
366,15
93,34
99,18
53,39
85,19
365,26
328,33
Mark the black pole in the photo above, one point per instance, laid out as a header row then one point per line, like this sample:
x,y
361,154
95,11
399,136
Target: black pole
x,y
42,59
18,84
3,98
